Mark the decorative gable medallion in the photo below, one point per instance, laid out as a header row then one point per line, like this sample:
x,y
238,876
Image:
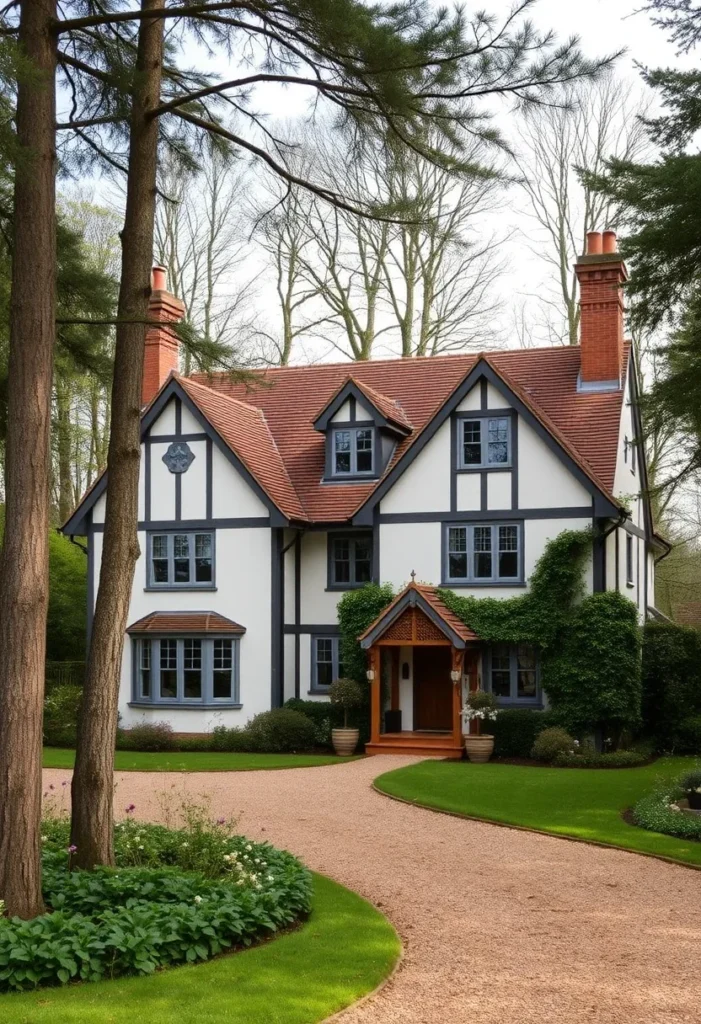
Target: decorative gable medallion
x,y
179,457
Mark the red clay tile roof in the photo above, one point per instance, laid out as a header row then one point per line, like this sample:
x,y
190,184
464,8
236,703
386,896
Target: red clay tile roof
x,y
432,598
186,622
291,397
390,408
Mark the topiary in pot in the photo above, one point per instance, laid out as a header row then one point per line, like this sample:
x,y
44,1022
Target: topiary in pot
x,y
691,784
480,706
347,694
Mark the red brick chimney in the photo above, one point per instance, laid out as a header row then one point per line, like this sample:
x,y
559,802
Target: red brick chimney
x,y
601,272
162,345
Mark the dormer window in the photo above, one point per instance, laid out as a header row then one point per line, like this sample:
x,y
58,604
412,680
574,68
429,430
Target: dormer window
x,y
353,451
485,442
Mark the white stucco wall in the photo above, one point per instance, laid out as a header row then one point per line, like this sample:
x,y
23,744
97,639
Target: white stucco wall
x,y
425,484
317,604
193,488
543,480
232,497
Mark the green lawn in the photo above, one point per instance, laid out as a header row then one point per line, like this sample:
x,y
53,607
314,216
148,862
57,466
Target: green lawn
x,y
343,951
585,803
194,761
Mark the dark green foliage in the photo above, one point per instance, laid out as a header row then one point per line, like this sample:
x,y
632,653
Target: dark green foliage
x,y
515,730
61,707
234,740
156,736
611,759
357,609
322,713
347,695
537,616
593,677
691,782
671,698
660,812
550,743
280,731
108,923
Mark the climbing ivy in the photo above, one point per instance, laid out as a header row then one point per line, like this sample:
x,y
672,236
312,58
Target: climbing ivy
x,y
356,610
537,616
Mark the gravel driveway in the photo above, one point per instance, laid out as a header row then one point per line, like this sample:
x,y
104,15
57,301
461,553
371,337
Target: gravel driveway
x,y
499,926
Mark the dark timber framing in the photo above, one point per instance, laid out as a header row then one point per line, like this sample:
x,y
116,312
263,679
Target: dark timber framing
x,y
277,604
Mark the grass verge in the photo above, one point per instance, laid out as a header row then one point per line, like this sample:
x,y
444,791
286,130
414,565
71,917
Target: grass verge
x,y
341,953
196,761
584,803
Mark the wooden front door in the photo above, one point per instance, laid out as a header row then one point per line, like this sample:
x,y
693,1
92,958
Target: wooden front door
x,y
433,689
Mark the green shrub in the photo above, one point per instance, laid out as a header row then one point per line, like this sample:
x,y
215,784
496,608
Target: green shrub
x,y
280,731
61,707
347,695
322,713
660,812
106,923
357,609
515,730
671,700
690,782
234,740
612,759
551,742
156,736
592,678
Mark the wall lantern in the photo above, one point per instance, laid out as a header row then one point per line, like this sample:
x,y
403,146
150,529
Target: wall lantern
x,y
455,675
370,674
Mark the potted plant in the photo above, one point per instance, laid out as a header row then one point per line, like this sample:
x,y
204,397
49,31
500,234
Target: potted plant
x,y
691,784
347,694
480,706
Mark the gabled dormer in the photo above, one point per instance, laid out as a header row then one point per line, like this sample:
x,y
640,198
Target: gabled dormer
x,y
362,429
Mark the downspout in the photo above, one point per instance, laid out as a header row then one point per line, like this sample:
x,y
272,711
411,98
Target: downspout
x,y
297,539
74,541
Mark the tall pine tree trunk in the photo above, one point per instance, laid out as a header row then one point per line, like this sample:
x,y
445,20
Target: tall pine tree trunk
x,y
24,568
64,448
92,824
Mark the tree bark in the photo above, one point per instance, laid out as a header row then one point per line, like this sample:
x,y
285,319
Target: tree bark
x,y
64,445
92,824
24,566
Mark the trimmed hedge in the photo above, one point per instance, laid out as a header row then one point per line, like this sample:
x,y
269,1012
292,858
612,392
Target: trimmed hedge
x,y
671,700
515,730
612,759
106,923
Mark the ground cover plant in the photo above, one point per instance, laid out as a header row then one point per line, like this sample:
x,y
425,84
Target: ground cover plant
x,y
660,811
360,948
176,895
196,761
585,804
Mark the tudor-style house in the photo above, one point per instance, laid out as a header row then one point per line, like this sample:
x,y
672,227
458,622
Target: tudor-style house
x,y
261,503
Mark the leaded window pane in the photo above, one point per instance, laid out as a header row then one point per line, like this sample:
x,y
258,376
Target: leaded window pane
x,y
342,451
472,442
526,677
508,552
169,669
181,558
203,557
501,672
145,669
159,558
324,661
482,551
363,560
457,553
192,670
363,451
498,440
341,560
222,669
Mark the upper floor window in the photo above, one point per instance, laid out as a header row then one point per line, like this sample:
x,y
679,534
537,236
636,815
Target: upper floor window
x,y
511,673
327,665
630,561
186,670
353,451
350,560
484,553
181,559
485,442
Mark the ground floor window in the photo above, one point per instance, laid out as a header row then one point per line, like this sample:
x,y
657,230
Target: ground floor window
x,y
327,665
186,670
512,673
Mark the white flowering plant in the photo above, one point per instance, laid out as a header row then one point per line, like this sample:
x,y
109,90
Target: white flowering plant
x,y
480,706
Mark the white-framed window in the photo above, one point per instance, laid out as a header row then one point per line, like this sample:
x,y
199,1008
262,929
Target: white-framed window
x,y
327,665
353,451
183,560
480,553
484,442
512,673
630,561
350,560
186,670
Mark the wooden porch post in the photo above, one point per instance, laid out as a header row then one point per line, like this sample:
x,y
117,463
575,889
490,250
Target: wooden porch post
x,y
375,685
457,663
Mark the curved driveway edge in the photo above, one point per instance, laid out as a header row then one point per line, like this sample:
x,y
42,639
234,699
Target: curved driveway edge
x,y
499,926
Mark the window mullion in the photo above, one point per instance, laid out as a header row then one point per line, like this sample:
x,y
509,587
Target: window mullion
x,y
171,559
495,553
180,670
207,671
191,556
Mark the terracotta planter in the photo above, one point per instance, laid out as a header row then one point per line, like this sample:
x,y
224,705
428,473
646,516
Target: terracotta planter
x,y
345,741
479,748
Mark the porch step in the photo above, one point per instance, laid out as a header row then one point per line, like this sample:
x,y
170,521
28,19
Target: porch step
x,y
429,746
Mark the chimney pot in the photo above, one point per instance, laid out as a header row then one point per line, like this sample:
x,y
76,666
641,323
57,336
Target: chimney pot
x,y
593,243
158,279
609,241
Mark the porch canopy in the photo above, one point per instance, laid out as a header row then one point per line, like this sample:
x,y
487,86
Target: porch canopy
x,y
438,651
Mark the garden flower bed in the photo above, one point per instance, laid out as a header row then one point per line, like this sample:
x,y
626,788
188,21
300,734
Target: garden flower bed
x,y
667,810
176,896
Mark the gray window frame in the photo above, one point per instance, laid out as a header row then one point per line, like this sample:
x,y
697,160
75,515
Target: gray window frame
x,y
482,581
353,584
207,700
513,700
630,561
483,418
335,638
192,584
353,429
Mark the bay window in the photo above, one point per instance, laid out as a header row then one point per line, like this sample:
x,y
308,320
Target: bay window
x,y
186,670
